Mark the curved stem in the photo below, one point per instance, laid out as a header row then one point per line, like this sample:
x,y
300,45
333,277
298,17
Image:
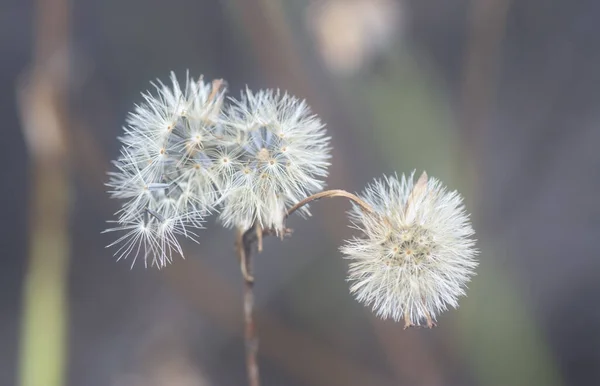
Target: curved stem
x,y
245,242
245,245
332,193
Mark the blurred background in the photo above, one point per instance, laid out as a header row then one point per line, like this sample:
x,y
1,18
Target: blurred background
x,y
497,98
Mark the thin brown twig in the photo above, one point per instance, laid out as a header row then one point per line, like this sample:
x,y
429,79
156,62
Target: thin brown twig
x,y
310,361
245,245
328,194
239,244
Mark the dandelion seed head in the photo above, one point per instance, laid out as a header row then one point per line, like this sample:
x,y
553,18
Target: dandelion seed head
x,y
415,254
284,155
169,171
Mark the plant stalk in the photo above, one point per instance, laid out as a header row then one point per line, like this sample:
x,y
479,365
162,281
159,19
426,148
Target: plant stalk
x,y
245,245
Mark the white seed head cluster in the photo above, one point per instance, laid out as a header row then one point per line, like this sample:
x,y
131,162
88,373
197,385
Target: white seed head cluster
x,y
416,253
283,158
185,155
188,152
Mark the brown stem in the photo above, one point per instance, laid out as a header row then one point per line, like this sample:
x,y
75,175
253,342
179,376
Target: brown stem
x,y
328,194
245,244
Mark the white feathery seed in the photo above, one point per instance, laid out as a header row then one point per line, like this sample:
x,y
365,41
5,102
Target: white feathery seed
x,y
283,158
416,253
171,170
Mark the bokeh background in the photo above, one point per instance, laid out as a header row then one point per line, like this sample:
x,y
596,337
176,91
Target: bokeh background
x,y
498,98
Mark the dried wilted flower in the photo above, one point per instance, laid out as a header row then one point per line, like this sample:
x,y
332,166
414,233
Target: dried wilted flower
x,y
416,253
171,168
283,157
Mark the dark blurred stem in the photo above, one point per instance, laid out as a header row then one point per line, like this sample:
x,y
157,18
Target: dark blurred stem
x,y
329,194
486,29
245,245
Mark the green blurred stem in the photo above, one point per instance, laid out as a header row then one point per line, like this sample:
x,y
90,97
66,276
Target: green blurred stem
x,y
43,106
44,318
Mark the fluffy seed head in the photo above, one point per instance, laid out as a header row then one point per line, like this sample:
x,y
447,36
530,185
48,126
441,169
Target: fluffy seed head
x,y
171,167
283,157
415,255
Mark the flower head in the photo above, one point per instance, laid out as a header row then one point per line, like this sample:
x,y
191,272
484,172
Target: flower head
x,y
416,254
171,167
283,157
